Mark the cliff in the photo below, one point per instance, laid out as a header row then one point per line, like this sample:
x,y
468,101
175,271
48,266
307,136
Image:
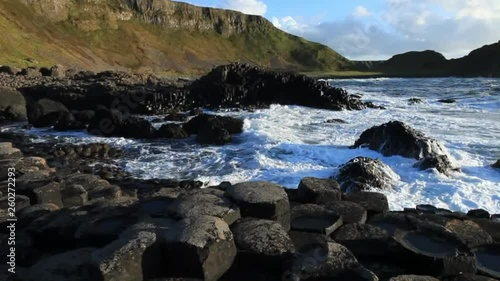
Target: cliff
x,y
154,35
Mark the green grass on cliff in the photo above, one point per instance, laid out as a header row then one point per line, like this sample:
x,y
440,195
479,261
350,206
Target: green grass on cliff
x,y
94,41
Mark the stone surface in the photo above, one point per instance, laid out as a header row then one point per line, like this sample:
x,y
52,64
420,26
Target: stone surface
x,y
261,200
350,211
413,278
374,203
314,218
314,190
362,173
479,213
364,240
201,247
12,105
262,243
44,112
487,258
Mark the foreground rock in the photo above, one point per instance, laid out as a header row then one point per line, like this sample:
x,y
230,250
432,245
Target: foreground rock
x,y
397,138
12,105
242,85
362,173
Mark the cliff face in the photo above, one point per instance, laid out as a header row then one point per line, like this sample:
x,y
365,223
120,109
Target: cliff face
x,y
158,35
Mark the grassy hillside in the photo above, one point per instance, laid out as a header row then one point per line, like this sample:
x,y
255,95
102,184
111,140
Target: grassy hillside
x,y
168,37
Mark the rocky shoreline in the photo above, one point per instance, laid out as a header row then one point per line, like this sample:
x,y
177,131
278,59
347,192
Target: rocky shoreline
x,y
79,218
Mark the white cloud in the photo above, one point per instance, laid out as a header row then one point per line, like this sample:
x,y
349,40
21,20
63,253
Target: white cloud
x,y
448,26
361,11
251,7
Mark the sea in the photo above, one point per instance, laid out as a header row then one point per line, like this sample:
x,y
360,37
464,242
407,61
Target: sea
x,y
284,143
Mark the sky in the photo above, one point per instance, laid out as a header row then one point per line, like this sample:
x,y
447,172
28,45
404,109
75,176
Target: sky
x,y
379,29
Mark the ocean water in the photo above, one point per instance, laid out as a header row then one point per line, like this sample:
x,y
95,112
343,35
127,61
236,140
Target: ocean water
x,y
283,144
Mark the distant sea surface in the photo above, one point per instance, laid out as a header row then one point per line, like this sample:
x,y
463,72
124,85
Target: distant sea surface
x,y
286,143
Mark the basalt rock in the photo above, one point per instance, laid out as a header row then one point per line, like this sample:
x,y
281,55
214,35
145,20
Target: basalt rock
x,y
172,131
261,200
45,112
314,190
213,129
12,105
362,173
349,211
113,123
243,85
373,202
397,138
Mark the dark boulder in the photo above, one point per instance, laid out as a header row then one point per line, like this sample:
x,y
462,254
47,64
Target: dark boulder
x,y
314,190
397,138
112,123
83,116
172,131
335,121
243,85
479,213
179,117
230,124
362,173
261,200
364,240
11,70
12,105
447,101
213,134
412,101
45,112
68,122
496,165
413,278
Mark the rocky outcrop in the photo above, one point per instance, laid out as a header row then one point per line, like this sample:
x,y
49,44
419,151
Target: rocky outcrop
x,y
362,173
243,85
397,138
12,105
212,129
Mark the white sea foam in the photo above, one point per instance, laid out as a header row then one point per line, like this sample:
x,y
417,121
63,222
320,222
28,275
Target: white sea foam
x,y
286,143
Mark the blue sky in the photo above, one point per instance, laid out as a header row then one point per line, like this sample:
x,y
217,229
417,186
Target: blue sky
x,y
378,29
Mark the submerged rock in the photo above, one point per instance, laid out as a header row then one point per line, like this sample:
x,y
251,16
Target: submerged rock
x,y
362,173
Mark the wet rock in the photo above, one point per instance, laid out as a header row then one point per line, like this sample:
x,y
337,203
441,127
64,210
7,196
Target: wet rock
x,y
112,123
479,213
261,200
8,152
314,190
230,124
242,85
305,241
213,135
470,277
373,202
314,218
397,138
413,101
490,226
392,222
364,240
413,278
496,165
495,218
487,258
201,247
349,211
68,122
44,112
335,121
447,101
172,131
202,203
178,117
12,105
436,252
441,163
64,266
74,195
333,263
262,243
362,173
